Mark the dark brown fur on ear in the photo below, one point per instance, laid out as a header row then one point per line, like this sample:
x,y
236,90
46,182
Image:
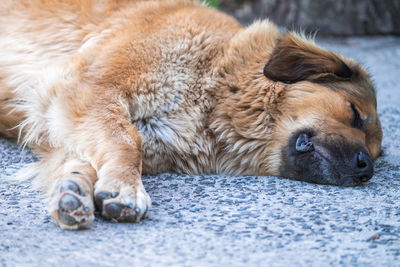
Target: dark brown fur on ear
x,y
294,59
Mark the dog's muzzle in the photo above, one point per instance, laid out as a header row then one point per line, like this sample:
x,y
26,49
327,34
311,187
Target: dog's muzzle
x,y
326,160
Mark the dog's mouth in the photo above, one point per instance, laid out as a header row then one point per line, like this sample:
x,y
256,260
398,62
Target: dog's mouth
x,y
325,159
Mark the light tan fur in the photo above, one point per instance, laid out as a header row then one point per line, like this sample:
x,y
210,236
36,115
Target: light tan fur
x,y
106,90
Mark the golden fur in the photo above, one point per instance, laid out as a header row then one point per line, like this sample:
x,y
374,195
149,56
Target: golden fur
x,y
105,90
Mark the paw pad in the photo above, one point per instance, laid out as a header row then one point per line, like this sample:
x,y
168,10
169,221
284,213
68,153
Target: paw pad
x,y
69,202
113,207
114,210
69,185
70,206
100,197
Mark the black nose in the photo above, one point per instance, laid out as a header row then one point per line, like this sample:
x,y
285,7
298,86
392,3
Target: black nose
x,y
364,168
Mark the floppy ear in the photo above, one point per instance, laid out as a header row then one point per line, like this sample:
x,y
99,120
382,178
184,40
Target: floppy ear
x,y
294,59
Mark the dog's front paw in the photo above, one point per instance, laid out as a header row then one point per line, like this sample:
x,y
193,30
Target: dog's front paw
x,y
70,206
123,203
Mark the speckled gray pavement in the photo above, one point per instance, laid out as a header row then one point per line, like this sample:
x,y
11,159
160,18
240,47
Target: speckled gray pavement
x,y
230,221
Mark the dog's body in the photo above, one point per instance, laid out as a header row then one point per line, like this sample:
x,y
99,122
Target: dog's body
x,y
103,90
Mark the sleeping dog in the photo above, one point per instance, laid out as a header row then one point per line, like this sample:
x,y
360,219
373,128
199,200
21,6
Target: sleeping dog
x,y
104,91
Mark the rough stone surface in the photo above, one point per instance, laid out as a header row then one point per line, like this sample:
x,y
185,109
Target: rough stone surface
x,y
230,221
329,17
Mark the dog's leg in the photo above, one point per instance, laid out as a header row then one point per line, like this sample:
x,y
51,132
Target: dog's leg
x,y
119,192
103,136
68,182
106,138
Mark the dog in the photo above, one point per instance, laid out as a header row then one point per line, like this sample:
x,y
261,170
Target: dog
x,y
104,91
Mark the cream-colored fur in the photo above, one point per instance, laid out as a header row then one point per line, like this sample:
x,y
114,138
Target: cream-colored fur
x,y
103,90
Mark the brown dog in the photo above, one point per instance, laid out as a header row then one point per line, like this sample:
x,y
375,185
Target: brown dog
x,y
105,91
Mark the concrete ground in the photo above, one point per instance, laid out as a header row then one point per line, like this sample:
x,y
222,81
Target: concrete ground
x,y
230,221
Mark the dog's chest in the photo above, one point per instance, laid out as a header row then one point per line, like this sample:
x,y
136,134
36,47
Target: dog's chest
x,y
171,116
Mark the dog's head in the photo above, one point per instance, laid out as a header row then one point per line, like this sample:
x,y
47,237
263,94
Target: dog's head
x,y
314,111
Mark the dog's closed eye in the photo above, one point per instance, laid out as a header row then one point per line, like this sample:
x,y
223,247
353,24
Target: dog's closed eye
x,y
357,122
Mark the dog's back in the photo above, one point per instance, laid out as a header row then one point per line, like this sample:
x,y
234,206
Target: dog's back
x,y
48,42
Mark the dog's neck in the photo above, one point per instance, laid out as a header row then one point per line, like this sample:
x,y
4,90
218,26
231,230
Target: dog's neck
x,y
245,102
238,121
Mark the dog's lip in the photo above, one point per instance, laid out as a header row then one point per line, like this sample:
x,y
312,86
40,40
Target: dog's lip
x,y
320,155
335,173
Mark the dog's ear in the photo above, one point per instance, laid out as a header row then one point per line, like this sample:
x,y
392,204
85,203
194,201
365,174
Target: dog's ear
x,y
294,59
